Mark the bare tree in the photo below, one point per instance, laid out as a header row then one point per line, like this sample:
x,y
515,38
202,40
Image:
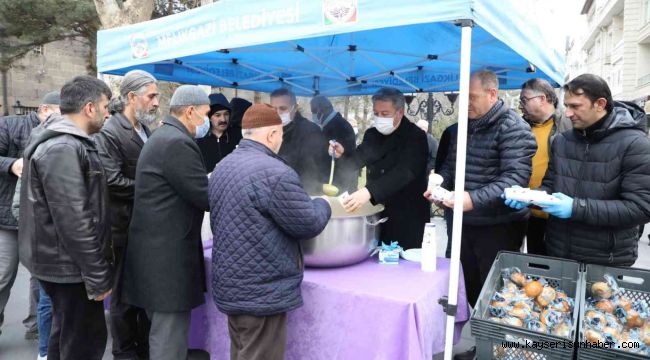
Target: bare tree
x,y
114,13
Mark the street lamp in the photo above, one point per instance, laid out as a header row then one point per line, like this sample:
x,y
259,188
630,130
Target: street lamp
x,y
19,109
429,108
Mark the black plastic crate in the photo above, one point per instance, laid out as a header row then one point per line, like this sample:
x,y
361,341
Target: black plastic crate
x,y
636,286
490,335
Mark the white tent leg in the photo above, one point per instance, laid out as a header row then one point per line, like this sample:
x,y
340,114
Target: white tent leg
x,y
465,52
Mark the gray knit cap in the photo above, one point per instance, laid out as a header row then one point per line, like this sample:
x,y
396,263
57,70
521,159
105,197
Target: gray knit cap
x,y
51,98
187,95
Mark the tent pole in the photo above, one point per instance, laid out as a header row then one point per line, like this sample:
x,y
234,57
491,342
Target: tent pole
x,y
454,271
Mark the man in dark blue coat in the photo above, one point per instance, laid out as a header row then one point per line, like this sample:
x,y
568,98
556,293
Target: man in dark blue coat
x,y
500,147
259,213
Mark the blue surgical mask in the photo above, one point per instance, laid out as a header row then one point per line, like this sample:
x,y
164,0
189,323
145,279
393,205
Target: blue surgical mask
x,y
203,129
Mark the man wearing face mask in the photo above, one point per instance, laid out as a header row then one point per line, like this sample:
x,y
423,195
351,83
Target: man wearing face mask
x,y
304,147
163,266
259,214
336,128
394,153
222,138
120,142
14,133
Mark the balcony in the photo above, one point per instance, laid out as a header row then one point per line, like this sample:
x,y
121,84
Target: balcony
x,y
644,34
602,17
643,80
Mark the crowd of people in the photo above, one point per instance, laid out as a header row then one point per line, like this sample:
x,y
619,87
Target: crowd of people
x,y
594,158
95,203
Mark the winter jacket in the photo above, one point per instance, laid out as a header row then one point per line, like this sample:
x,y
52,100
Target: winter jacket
x,y
164,268
346,173
304,148
214,149
14,134
500,148
607,173
119,149
259,214
396,173
64,232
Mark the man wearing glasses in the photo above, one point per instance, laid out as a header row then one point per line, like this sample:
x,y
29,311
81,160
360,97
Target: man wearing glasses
x,y
538,104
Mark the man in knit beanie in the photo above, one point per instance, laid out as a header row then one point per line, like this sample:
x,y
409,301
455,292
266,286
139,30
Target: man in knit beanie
x,y
259,212
119,143
163,270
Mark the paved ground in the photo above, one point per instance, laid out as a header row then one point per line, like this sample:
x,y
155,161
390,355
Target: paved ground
x,y
14,347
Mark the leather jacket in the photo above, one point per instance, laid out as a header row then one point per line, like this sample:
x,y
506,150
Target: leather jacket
x,y
64,234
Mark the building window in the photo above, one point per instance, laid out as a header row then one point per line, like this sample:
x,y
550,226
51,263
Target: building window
x,y
39,50
647,11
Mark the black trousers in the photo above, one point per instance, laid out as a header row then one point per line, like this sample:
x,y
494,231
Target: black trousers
x,y
480,246
129,324
78,325
535,243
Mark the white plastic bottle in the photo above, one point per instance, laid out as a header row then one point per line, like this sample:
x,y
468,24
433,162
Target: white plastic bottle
x,y
428,254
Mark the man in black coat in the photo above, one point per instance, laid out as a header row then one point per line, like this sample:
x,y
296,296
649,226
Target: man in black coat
x,y
304,147
222,138
394,153
335,127
600,173
163,267
120,142
64,237
14,134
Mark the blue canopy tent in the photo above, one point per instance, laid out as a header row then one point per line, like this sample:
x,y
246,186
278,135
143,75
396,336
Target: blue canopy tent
x,y
342,48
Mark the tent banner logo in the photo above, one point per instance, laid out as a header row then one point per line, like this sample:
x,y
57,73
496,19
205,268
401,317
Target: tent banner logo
x,y
139,46
337,12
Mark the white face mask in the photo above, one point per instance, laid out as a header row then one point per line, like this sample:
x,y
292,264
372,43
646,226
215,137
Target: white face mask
x,y
384,125
286,118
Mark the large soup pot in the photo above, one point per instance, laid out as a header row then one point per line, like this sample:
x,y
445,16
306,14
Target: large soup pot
x,y
347,239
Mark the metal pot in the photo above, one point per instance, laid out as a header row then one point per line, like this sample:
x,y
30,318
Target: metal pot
x,y
344,241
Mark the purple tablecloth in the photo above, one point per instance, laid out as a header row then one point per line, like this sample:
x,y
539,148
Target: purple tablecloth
x,y
364,311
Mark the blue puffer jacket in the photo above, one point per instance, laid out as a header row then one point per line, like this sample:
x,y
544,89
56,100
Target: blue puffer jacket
x,y
259,213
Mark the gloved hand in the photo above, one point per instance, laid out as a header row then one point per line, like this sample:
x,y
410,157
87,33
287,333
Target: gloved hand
x,y
562,208
514,203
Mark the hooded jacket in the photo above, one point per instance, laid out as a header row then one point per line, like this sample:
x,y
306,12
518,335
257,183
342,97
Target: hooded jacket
x,y
64,225
606,172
